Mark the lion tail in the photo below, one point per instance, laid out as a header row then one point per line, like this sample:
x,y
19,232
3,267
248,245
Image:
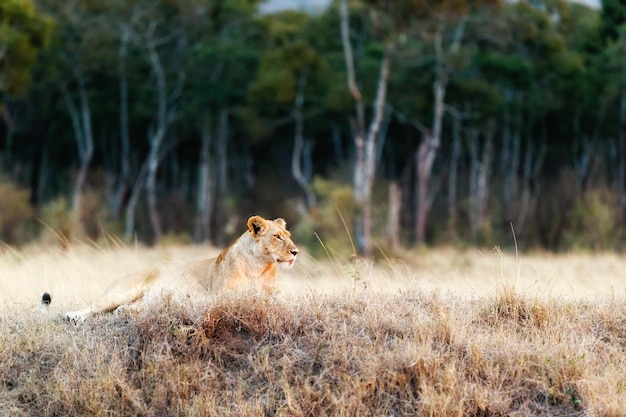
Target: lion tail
x,y
44,304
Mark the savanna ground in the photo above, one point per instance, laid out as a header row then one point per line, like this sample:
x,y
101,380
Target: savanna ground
x,y
441,332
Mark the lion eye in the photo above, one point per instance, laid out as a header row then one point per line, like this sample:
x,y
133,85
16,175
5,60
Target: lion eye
x,y
279,237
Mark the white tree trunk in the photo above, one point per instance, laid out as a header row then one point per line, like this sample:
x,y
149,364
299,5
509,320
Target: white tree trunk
x,y
425,158
205,187
621,149
156,134
453,174
365,167
393,217
81,122
133,199
222,153
427,151
123,180
222,180
299,147
509,164
532,168
479,180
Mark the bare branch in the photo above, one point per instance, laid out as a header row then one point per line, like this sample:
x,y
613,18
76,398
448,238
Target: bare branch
x,y
347,48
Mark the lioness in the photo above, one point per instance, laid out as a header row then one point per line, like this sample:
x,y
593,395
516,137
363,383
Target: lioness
x,y
249,261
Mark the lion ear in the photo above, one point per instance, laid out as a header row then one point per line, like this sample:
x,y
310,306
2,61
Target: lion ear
x,y
257,226
281,222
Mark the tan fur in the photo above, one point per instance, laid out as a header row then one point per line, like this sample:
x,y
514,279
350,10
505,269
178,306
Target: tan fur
x,y
249,262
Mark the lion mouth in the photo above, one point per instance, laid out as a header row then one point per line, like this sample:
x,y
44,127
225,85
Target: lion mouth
x,y
287,263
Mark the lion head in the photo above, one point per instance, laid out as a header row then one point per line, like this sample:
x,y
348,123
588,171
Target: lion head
x,y
275,240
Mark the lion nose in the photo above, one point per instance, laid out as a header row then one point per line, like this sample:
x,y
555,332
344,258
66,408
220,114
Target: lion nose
x,y
294,252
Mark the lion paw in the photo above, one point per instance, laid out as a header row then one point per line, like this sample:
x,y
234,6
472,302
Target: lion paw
x,y
74,317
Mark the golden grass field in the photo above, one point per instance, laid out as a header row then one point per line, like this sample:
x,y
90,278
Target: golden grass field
x,y
79,275
440,332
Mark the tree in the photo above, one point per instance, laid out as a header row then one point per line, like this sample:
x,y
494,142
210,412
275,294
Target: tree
x,y
290,76
24,32
162,30
446,24
221,66
79,34
431,141
365,141
613,31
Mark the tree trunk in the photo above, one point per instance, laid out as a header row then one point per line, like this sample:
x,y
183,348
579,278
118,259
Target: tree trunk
x,y
222,179
365,166
299,146
86,152
427,151
424,159
123,181
426,154
81,122
156,135
393,218
365,143
484,175
6,157
338,151
133,199
151,193
360,229
222,153
509,164
583,158
138,187
621,148
351,76
205,188
479,180
453,174
530,180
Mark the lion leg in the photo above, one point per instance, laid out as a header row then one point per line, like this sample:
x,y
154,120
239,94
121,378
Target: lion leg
x,y
122,292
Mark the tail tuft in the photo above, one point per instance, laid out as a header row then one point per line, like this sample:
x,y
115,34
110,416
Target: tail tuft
x,y
46,299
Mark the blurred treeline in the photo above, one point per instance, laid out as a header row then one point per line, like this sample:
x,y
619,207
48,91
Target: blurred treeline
x,y
404,122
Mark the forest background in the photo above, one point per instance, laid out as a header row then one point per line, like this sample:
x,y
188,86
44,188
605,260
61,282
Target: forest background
x,y
388,123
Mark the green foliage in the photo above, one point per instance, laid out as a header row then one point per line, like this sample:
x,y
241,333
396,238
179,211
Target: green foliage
x,y
23,34
514,70
612,61
613,17
292,73
546,71
479,93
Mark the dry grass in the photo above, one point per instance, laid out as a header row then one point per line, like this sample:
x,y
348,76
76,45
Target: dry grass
x,y
451,333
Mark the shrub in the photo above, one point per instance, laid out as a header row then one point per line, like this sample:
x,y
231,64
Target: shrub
x,y
16,213
594,220
56,218
326,220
